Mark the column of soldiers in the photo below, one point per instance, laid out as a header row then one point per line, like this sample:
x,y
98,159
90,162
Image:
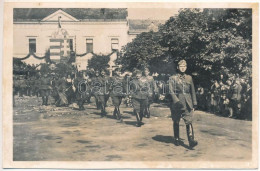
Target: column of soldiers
x,y
140,89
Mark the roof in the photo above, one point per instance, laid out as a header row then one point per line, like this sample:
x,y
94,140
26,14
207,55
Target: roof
x,y
37,14
137,26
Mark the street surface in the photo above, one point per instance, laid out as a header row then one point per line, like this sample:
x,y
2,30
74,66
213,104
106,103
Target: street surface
x,y
49,133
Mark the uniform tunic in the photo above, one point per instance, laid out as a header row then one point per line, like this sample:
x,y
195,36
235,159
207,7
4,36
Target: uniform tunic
x,y
101,89
152,88
139,89
182,89
117,90
45,86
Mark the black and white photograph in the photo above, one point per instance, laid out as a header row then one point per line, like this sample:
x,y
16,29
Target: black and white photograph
x,y
125,83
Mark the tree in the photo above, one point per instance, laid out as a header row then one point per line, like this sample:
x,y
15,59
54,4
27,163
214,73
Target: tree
x,y
144,50
99,62
211,40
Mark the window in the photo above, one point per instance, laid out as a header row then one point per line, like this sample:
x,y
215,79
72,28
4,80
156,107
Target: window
x,y
71,45
114,44
89,45
32,45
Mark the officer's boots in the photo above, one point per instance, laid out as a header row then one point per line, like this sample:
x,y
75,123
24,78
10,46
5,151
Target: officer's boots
x,y
147,112
138,118
190,134
98,104
119,116
46,101
43,100
81,105
115,113
176,133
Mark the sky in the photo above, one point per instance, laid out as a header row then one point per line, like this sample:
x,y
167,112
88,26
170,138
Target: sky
x,y
152,13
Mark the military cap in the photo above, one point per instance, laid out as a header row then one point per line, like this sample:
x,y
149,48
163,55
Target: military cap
x,y
137,71
182,62
146,69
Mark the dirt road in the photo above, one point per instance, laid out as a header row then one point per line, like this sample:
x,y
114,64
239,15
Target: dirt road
x,y
64,134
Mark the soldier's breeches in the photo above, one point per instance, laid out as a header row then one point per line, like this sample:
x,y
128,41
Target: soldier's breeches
x,y
176,115
102,99
139,104
45,92
116,100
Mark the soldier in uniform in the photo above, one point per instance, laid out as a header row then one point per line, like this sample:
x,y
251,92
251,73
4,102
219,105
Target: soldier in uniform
x,y
81,90
95,88
15,87
183,102
117,90
235,99
139,89
45,89
37,85
62,87
29,83
103,93
69,92
151,85
33,79
22,86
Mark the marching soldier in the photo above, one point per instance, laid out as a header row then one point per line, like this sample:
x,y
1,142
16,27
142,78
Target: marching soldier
x,y
150,93
117,93
81,90
103,94
183,102
139,87
95,88
45,89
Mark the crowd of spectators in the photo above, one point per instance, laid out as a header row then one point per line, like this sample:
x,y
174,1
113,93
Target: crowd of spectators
x,y
230,97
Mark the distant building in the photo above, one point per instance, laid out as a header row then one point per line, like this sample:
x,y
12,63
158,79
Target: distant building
x,y
99,31
139,26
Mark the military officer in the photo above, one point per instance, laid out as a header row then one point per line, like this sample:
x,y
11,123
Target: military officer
x,y
117,90
183,102
139,89
45,89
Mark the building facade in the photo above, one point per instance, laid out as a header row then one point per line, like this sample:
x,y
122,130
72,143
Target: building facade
x,y
98,31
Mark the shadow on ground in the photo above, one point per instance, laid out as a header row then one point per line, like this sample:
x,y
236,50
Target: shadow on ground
x,y
168,139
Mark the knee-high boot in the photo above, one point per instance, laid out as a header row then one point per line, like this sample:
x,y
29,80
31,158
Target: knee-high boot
x,y
190,134
176,132
43,100
119,116
46,101
115,113
138,118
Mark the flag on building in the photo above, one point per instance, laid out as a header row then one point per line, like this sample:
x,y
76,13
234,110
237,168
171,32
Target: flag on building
x,y
59,50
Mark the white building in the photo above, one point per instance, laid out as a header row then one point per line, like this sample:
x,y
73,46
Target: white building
x,y
100,31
